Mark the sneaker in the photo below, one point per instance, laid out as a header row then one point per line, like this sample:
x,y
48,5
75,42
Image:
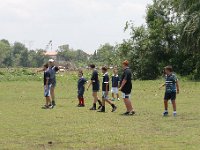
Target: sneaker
x,y
174,114
114,109
79,105
126,113
132,113
82,105
118,99
165,113
92,108
45,107
101,110
51,106
99,107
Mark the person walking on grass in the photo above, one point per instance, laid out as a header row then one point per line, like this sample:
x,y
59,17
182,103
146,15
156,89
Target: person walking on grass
x,y
95,87
105,91
47,86
81,88
171,89
53,70
115,85
126,88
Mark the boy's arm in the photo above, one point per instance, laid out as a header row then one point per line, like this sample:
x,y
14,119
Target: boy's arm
x,y
161,86
89,84
47,82
177,86
40,70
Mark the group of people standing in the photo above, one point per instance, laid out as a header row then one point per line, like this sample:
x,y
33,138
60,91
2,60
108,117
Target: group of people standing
x,y
123,84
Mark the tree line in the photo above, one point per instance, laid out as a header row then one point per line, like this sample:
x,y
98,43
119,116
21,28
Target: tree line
x,y
171,36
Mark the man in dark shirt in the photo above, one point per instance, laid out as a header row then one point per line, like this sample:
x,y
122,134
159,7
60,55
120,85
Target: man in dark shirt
x,y
105,91
47,86
95,87
126,88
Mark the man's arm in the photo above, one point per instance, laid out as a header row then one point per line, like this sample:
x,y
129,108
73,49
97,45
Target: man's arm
x,y
122,85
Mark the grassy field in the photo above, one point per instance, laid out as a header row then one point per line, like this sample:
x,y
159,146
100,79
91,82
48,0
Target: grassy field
x,y
25,126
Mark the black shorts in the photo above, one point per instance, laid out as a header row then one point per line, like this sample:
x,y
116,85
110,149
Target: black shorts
x,y
95,88
80,93
170,96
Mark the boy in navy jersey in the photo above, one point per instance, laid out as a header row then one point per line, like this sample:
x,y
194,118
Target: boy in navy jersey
x,y
95,87
47,87
81,89
171,89
115,84
105,91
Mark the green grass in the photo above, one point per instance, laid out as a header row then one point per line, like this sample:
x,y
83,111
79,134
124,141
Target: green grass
x,y
25,126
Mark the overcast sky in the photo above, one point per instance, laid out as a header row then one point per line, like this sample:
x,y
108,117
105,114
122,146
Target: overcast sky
x,y
83,24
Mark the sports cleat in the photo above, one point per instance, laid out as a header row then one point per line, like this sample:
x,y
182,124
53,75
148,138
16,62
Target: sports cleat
x,y
165,113
114,109
53,103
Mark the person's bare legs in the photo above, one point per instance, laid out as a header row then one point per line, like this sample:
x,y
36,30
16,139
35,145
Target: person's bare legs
x,y
53,95
113,95
174,107
166,105
95,97
128,105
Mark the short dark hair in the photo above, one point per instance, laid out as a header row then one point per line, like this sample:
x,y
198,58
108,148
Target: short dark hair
x,y
46,65
80,71
92,66
169,68
104,68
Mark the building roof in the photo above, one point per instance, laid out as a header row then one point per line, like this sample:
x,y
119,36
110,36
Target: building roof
x,y
51,53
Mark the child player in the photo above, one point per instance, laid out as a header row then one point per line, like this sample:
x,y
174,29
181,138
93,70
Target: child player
x,y
172,88
81,89
47,87
105,91
115,85
95,87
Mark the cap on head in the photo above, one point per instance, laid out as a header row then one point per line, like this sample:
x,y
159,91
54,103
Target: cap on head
x,y
125,63
51,60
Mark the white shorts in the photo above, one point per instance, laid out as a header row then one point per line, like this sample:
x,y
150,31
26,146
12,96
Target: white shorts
x,y
47,92
104,96
114,90
126,95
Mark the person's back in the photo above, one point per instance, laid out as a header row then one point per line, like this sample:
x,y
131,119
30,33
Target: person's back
x,y
127,75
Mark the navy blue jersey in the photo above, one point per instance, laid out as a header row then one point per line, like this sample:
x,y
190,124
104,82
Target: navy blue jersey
x,y
128,77
170,83
115,81
95,78
81,83
46,77
105,82
53,71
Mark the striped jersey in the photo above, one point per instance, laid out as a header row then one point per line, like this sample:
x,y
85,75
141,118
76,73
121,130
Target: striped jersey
x,y
170,83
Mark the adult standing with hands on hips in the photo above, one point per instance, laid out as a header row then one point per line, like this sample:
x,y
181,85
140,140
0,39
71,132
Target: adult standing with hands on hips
x,y
126,88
